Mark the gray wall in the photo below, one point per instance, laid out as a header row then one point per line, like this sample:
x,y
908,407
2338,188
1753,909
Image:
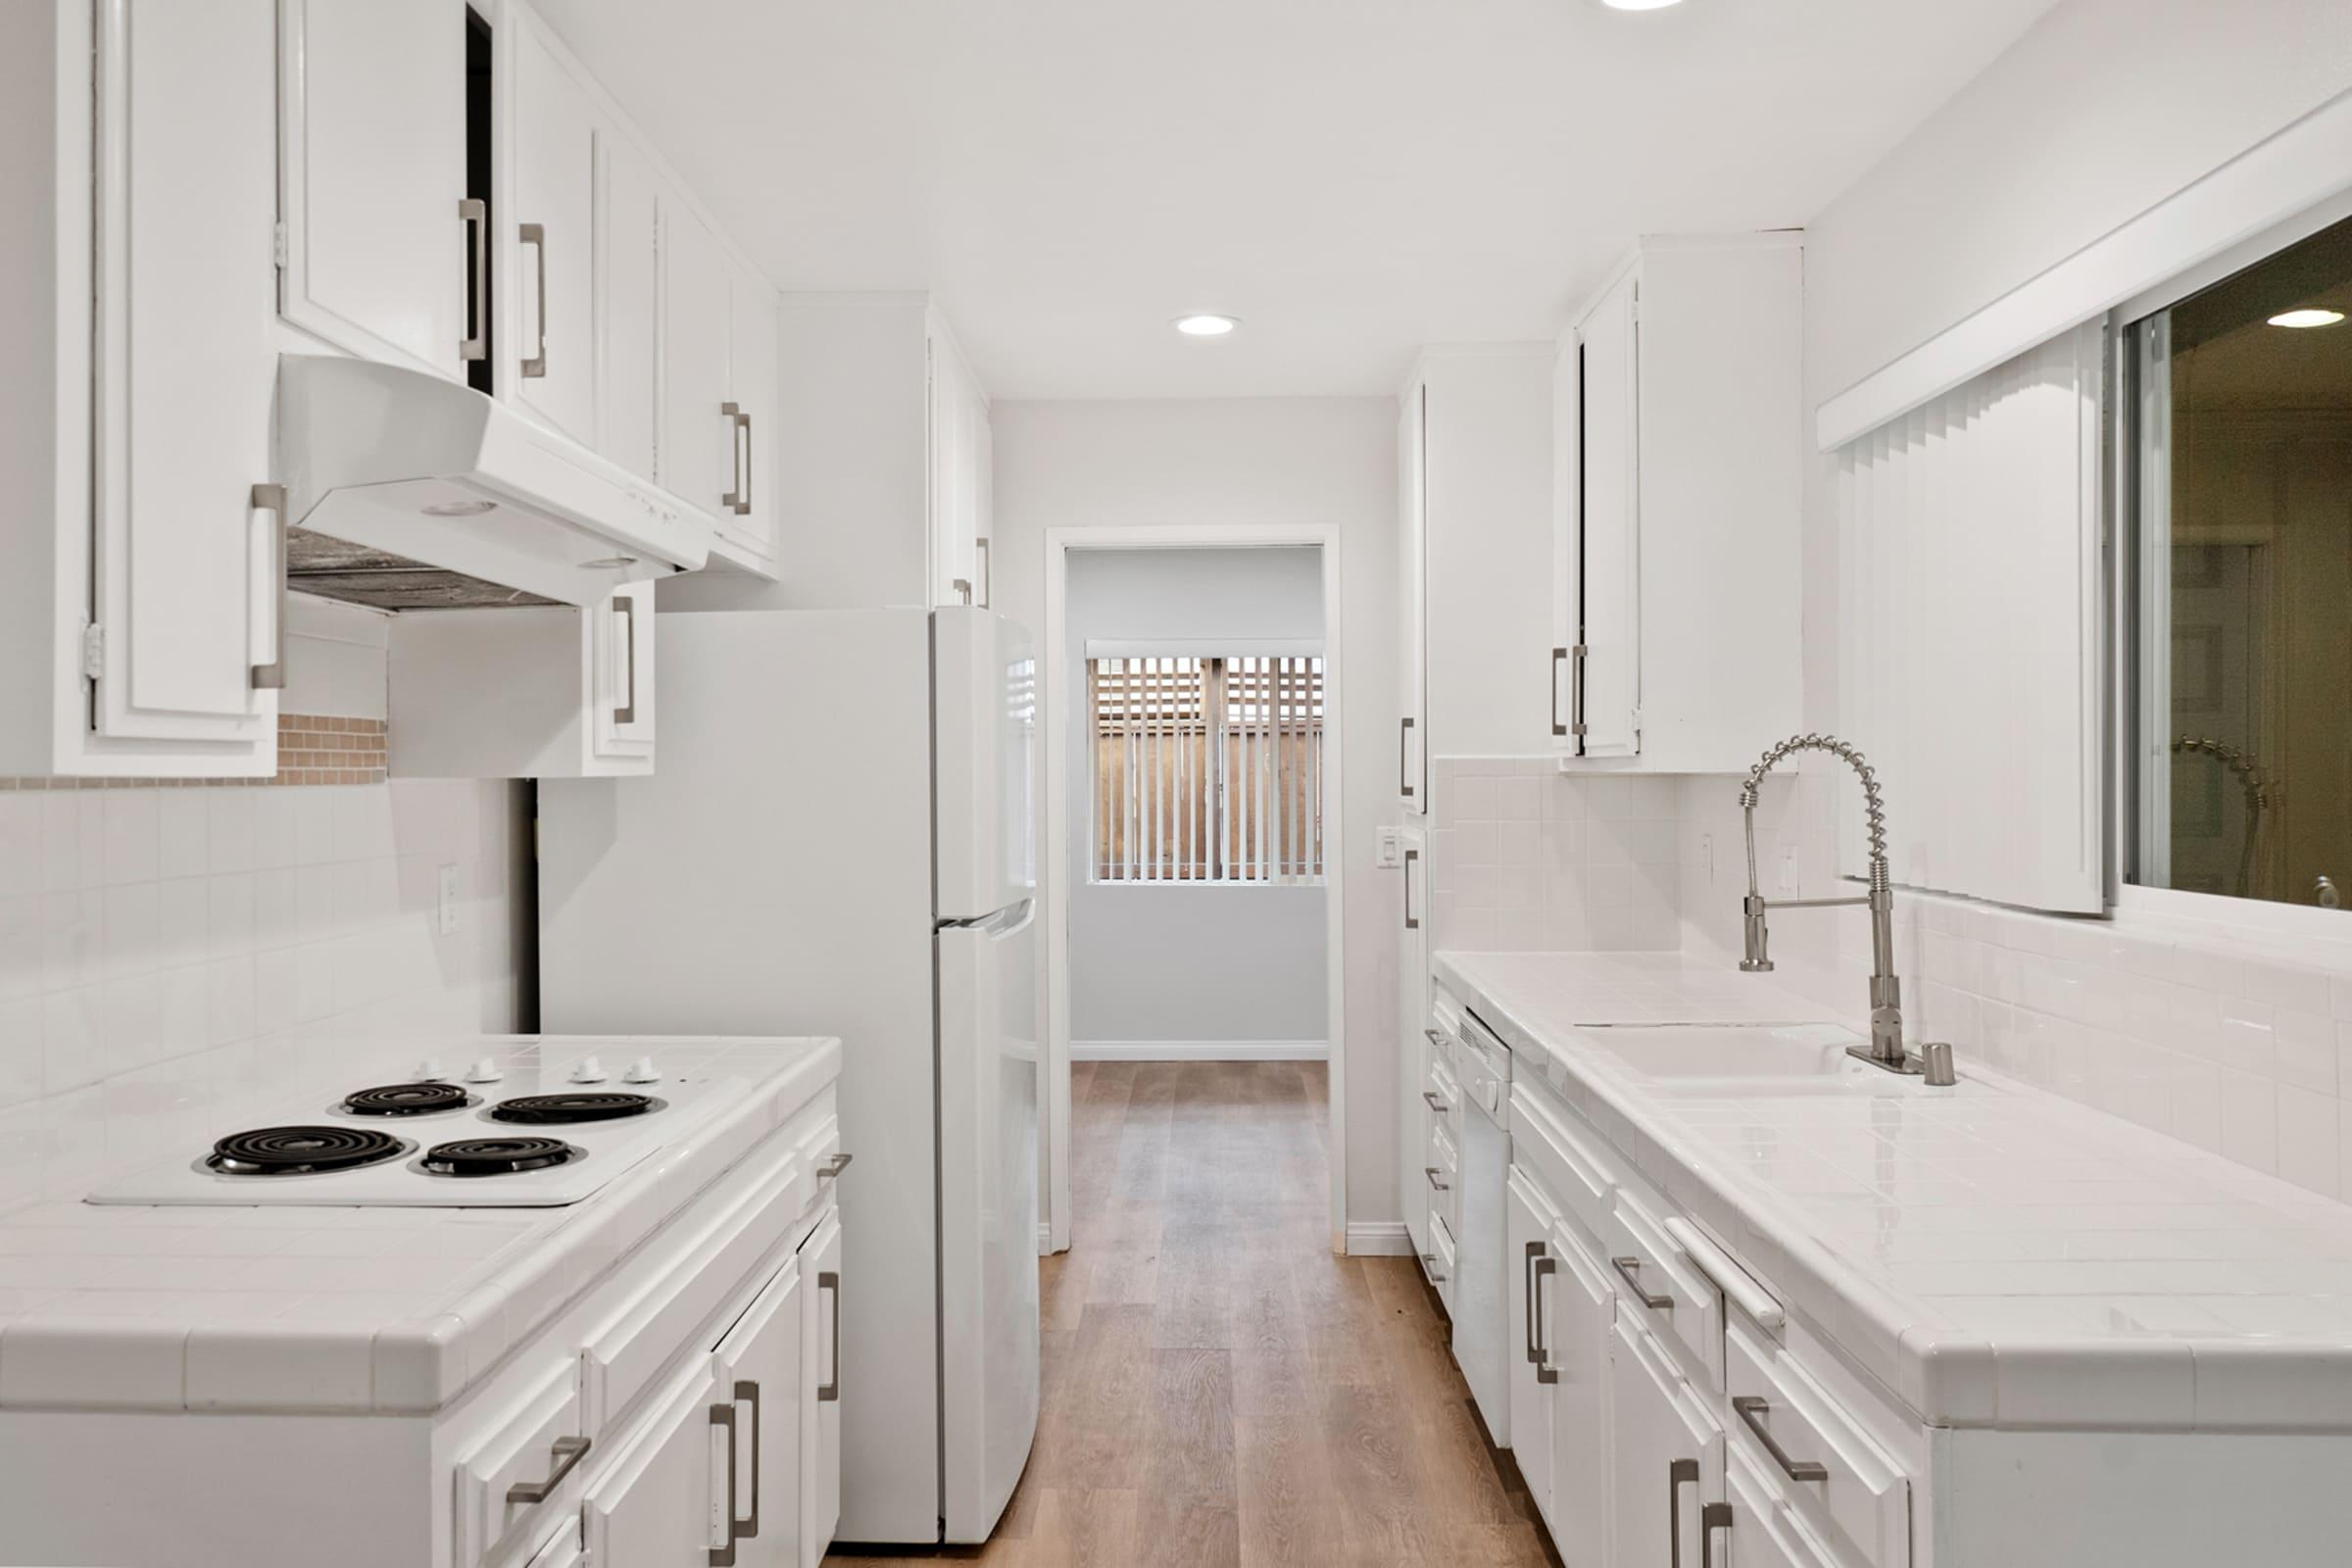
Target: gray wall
x,y
1188,964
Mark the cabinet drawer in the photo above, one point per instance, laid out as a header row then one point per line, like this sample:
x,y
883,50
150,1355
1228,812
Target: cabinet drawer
x,y
684,1276
542,1441
1835,1477
1441,1257
1565,1160
1657,1286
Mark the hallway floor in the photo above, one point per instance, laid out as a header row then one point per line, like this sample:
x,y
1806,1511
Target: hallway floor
x,y
1220,1389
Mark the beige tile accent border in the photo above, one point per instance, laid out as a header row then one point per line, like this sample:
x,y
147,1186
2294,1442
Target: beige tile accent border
x,y
311,749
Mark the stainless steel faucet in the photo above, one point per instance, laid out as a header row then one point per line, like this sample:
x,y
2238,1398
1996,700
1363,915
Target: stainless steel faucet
x,y
1885,1049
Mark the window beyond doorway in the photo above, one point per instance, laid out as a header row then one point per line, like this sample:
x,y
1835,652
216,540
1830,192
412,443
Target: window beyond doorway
x,y
1207,769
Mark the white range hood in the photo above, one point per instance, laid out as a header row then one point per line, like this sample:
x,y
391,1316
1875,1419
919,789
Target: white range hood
x,y
406,490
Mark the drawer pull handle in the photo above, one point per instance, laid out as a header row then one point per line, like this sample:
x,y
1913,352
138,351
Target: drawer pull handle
x,y
1540,1265
1752,1411
723,1415
1629,1269
1678,1473
566,1452
747,1391
1711,1518
1413,921
1431,1172
829,1391
1435,1102
1437,1037
832,1169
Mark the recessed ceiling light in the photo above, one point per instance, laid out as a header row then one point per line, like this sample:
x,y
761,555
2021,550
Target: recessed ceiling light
x,y
1638,5
1207,326
2308,318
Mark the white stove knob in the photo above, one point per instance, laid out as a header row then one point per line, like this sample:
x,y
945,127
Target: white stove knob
x,y
589,1071
642,1071
426,1070
484,1071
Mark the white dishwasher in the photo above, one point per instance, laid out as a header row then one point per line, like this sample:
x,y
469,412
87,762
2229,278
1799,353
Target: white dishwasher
x,y
1481,1318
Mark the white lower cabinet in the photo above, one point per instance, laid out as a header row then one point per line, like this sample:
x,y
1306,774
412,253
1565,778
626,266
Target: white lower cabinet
x,y
663,1501
1527,1222
1666,1453
821,1406
1578,1314
761,1373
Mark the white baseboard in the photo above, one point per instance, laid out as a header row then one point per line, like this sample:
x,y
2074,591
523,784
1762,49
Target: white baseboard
x,y
1379,1237
1200,1050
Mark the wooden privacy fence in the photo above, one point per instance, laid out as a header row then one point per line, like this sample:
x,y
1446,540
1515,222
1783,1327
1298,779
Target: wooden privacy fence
x,y
1207,769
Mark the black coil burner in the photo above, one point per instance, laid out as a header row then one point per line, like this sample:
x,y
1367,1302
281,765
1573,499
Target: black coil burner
x,y
495,1156
554,1110
407,1100
302,1150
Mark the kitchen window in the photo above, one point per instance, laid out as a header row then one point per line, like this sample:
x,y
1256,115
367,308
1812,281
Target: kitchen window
x,y
1207,769
2236,483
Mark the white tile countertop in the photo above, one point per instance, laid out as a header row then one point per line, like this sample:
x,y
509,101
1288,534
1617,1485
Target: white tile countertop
x,y
1993,1253
385,1308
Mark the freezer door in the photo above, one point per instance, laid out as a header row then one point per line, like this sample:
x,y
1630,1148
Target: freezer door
x,y
984,731
988,1072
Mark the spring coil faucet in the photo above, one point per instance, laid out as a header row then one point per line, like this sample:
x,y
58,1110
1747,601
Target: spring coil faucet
x,y
1885,1049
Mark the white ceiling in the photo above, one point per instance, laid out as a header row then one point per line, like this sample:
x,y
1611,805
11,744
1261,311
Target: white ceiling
x,y
1352,178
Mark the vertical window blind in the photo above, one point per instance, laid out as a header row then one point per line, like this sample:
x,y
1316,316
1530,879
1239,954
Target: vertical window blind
x,y
1970,668
1207,769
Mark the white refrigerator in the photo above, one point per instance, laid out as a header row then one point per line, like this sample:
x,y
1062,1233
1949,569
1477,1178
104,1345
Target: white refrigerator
x,y
840,839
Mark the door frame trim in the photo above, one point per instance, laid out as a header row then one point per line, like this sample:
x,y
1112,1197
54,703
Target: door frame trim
x,y
1055,1102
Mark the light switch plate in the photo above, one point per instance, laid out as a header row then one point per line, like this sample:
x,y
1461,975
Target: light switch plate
x,y
1387,850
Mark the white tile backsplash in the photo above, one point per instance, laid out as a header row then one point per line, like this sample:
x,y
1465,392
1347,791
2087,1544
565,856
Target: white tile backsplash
x,y
2199,1030
1527,858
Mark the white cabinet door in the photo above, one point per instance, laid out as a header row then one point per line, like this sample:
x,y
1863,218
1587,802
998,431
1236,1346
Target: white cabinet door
x,y
820,1378
749,524
698,446
1582,1309
759,1368
549,364
185,564
620,685
1412,577
378,252
628,306
664,1501
1666,1455
1605,551
956,416
1532,1270
1412,1015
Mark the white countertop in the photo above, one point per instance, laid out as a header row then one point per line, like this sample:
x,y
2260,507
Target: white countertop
x,y
1993,1253
366,1309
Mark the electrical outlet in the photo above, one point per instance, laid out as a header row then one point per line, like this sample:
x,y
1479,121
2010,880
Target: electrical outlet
x,y
445,907
1387,847
1787,871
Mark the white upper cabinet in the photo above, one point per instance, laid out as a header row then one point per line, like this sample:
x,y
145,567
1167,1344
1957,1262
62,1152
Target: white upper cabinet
x,y
959,478
382,254
748,524
1412,561
548,360
1678,508
628,286
1477,557
139,625
700,450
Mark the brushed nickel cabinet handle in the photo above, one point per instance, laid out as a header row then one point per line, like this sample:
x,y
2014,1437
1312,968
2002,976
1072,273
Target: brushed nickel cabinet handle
x,y
1535,1351
1413,921
566,1453
1539,1355
1752,1411
1626,1268
739,499
1711,1518
475,212
624,607
1404,740
1431,1172
272,498
1576,696
963,587
747,1392
829,1391
834,1166
535,237
723,1415
1436,1036
1559,657
1435,1102
1428,1265
1678,1473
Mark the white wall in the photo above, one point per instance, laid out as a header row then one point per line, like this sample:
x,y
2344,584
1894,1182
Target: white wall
x,y
1274,462
1158,962
167,953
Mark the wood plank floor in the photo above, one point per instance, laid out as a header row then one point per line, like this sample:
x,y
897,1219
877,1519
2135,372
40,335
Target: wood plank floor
x,y
1219,1388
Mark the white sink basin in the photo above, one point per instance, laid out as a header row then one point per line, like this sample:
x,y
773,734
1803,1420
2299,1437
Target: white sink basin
x,y
1732,1053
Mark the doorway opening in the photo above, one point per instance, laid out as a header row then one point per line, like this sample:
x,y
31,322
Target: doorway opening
x,y
1192,829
